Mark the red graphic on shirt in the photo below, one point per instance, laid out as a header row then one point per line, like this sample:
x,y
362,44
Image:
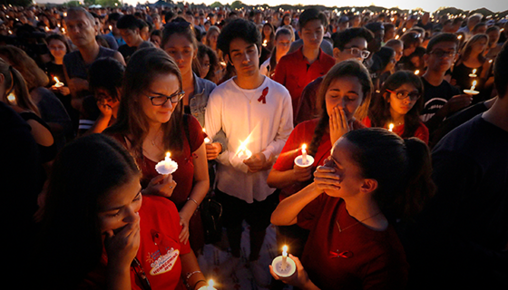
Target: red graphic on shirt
x,y
263,96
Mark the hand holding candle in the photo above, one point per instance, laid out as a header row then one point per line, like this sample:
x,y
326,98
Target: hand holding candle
x,y
390,127
166,166
282,266
207,140
284,257
58,83
304,160
472,90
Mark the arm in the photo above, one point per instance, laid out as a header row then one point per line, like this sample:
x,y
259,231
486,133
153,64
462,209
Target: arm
x,y
288,209
191,272
282,179
118,56
453,105
279,74
102,121
199,190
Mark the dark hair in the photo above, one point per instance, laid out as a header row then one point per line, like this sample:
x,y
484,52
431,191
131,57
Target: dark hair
x,y
312,14
128,22
214,62
179,26
144,65
106,73
345,68
442,37
70,233
238,28
114,16
500,72
340,39
273,55
401,167
410,39
15,83
59,37
381,58
379,113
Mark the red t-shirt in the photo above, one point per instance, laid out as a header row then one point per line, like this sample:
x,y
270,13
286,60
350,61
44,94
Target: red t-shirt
x,y
295,72
159,251
357,257
421,132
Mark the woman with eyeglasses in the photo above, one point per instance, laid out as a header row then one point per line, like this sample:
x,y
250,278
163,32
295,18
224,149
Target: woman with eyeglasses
x,y
150,123
399,104
372,184
98,231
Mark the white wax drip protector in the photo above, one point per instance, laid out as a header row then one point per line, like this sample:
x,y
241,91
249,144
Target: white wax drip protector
x,y
288,271
300,163
166,167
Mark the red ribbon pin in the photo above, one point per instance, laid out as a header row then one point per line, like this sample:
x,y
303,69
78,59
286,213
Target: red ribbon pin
x,y
263,96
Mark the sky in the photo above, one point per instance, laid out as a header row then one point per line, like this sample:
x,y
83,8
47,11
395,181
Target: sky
x,y
427,5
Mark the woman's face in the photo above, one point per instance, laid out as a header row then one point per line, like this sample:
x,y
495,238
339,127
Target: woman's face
x,y
346,168
120,207
267,30
156,40
402,107
57,48
163,85
479,46
392,62
287,20
399,51
344,92
204,65
283,43
182,50
212,39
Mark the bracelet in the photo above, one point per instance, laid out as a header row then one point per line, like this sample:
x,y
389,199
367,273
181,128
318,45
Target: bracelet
x,y
194,288
190,274
191,199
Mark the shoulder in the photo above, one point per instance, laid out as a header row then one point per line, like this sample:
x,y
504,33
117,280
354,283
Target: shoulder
x,y
71,56
193,123
207,85
277,87
158,204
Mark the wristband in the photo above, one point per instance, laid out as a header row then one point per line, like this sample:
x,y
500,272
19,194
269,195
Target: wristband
x,y
190,275
193,200
198,283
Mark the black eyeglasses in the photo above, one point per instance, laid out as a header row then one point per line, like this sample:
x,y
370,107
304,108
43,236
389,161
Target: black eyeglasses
x,y
162,99
401,95
442,53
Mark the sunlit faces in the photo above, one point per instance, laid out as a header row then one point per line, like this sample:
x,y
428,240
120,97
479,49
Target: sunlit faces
x,y
80,29
162,85
441,57
181,49
402,106
283,43
344,92
212,39
120,206
350,175
244,56
312,33
353,49
57,48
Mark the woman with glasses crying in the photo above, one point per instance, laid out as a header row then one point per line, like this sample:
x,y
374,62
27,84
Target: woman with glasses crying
x,y
398,107
151,123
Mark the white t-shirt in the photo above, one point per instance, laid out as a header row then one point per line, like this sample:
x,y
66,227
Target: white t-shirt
x,y
263,124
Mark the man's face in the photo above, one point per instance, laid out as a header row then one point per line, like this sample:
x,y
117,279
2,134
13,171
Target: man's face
x,y
130,36
81,30
352,50
441,57
312,34
244,56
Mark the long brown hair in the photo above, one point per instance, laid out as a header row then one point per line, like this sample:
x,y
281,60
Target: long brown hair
x,y
144,65
15,84
33,75
344,68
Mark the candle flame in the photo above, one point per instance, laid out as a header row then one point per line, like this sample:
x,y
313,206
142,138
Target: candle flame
x,y
417,72
11,98
168,154
390,127
304,146
56,79
284,249
474,71
210,283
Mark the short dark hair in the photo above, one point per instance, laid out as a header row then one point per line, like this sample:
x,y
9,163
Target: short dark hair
x,y
500,72
340,39
114,16
128,22
238,28
442,37
106,73
312,14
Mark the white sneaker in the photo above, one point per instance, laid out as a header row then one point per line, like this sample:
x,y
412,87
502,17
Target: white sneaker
x,y
261,273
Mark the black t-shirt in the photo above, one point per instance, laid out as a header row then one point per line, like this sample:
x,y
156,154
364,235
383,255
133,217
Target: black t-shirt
x,y
461,237
435,97
127,51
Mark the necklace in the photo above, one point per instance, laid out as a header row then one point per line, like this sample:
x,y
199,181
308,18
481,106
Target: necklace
x,y
155,138
357,222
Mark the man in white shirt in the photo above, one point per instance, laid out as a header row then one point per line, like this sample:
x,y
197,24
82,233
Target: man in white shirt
x,y
256,115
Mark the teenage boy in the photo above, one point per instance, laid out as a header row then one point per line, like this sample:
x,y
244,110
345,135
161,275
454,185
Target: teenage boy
x,y
130,30
347,44
441,99
461,237
255,114
298,69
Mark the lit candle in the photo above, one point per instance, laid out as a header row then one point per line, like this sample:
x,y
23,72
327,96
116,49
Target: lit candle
x,y
472,90
390,127
417,72
243,152
284,257
210,285
58,83
166,166
207,140
473,74
12,99
265,43
459,37
304,153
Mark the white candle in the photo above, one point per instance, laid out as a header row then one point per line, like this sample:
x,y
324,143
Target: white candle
x,y
304,153
207,140
58,83
284,257
473,86
390,127
473,74
166,166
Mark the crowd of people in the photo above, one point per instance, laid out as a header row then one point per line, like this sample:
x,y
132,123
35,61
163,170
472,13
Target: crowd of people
x,y
403,116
